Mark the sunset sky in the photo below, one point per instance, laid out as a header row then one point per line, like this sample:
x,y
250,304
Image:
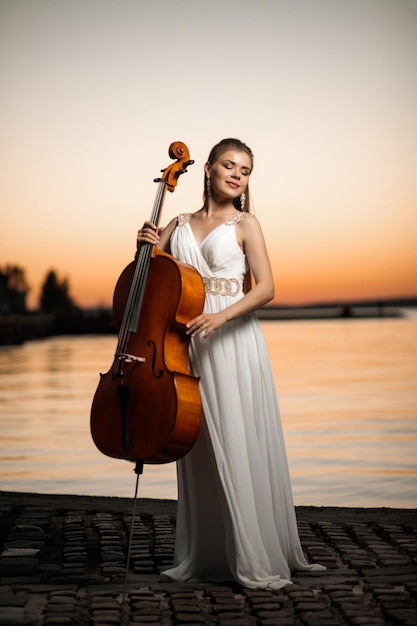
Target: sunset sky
x,y
324,92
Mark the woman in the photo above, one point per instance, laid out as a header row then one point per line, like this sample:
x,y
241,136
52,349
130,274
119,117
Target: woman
x,y
235,516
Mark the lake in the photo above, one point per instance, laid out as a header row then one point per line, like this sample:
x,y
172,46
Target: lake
x,y
347,390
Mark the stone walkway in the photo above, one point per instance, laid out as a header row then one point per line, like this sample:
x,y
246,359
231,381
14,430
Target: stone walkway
x,y
63,558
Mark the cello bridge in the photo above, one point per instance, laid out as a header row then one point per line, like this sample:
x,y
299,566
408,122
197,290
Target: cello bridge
x,y
128,358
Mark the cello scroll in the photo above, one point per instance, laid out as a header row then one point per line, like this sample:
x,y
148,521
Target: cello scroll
x,y
177,150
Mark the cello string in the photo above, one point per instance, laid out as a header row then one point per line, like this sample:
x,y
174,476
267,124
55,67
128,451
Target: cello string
x,y
123,334
136,294
139,287
139,293
124,325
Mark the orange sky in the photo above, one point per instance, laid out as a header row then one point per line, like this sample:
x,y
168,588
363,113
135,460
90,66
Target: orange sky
x,y
324,92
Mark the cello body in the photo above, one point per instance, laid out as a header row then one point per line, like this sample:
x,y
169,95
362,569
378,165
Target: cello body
x,y
147,407
163,406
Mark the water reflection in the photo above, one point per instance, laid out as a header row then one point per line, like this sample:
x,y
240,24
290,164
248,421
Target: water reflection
x,y
348,398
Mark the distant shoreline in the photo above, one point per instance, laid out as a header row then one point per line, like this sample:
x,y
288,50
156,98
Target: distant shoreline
x,y
329,312
17,329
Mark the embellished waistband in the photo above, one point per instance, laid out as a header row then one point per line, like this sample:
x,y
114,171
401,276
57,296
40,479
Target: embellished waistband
x,y
221,286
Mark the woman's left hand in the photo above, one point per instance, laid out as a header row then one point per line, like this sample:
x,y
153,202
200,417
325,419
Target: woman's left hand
x,y
204,324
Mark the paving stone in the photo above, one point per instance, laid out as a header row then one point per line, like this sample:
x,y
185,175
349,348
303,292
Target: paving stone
x,y
366,620
262,614
187,618
61,607
146,619
147,610
9,598
183,607
107,616
13,565
237,621
13,616
323,618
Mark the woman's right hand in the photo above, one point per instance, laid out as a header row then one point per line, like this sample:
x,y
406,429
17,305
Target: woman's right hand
x,y
148,234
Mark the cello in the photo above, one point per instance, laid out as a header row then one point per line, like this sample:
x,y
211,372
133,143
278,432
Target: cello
x,y
147,407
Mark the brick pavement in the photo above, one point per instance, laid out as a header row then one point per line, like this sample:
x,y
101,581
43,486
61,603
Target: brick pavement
x,y
62,562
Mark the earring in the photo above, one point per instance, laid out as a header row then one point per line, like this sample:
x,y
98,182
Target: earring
x,y
242,200
208,187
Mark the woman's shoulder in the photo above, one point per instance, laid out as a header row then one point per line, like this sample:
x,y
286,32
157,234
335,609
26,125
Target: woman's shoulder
x,y
248,226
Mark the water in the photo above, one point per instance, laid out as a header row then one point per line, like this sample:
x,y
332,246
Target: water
x,y
348,398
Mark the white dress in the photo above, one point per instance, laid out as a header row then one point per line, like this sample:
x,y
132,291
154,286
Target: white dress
x,y
235,517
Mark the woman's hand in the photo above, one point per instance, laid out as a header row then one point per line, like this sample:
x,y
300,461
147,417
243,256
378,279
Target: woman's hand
x,y
205,324
148,234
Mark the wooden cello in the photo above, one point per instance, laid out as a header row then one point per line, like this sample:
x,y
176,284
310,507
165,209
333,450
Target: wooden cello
x,y
147,407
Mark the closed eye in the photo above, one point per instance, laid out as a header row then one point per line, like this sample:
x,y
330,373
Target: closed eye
x,y
245,171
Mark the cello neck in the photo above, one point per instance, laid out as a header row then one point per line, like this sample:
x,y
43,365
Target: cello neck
x,y
137,290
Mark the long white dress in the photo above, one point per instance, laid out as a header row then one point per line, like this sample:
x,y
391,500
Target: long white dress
x,y
235,517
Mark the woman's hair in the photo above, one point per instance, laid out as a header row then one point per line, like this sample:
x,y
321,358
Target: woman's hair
x,y
215,154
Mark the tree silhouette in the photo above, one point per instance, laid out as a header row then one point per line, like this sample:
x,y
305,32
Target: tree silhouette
x,y
55,295
13,289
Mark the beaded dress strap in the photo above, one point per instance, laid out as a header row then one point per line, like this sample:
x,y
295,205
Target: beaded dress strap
x,y
183,218
236,219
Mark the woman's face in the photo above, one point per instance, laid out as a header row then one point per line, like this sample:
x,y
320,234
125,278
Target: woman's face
x,y
229,175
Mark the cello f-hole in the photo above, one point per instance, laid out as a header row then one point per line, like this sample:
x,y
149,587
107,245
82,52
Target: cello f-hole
x,y
151,343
